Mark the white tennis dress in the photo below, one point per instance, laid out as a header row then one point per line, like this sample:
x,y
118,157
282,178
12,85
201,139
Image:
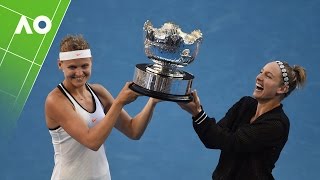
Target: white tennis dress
x,y
73,160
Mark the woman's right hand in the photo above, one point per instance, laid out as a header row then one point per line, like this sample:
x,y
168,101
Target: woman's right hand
x,y
193,107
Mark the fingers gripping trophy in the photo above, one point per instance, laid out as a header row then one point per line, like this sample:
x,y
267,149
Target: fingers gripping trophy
x,y
170,49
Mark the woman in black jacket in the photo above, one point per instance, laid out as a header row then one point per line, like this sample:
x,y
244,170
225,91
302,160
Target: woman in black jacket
x,y
255,129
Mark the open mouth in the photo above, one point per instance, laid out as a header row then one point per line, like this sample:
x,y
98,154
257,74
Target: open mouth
x,y
259,87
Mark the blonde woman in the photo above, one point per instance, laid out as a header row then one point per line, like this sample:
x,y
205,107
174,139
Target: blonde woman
x,y
255,129
80,116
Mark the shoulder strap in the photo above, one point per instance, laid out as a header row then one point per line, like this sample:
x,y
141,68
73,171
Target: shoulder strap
x,y
65,92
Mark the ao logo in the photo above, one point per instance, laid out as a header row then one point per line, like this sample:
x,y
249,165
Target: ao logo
x,y
23,23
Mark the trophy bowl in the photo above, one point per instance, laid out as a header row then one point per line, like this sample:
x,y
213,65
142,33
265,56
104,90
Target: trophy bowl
x,y
170,49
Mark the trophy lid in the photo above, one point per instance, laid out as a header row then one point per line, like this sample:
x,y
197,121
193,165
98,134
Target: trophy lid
x,y
170,45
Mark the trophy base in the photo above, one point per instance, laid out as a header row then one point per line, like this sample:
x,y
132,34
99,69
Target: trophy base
x,y
161,86
162,96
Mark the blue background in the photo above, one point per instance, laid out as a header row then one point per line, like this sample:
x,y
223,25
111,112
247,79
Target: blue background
x,y
239,38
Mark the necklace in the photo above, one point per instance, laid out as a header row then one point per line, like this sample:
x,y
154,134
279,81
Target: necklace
x,y
80,98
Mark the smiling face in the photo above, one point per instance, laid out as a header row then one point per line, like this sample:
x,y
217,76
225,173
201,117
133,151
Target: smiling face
x,y
269,83
76,72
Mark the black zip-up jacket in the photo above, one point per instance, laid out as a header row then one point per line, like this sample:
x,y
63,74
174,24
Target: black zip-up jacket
x,y
248,151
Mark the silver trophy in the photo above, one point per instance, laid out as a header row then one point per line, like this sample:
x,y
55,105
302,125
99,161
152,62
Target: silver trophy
x,y
170,49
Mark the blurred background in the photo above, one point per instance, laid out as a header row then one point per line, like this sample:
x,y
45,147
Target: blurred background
x,y
240,37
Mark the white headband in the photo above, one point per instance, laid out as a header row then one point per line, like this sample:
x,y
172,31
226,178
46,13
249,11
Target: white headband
x,y
69,55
